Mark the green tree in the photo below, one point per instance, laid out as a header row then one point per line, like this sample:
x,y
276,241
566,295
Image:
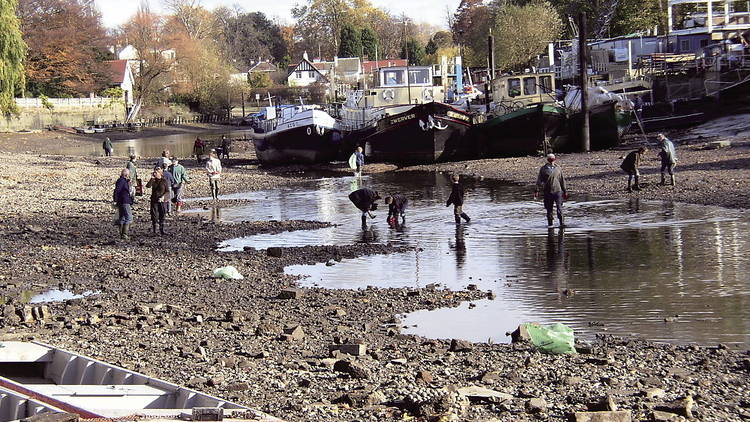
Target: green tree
x,y
637,15
244,37
522,32
12,54
413,51
351,42
431,47
259,80
369,43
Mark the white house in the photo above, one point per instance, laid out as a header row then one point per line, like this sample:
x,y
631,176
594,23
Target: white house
x,y
130,54
306,73
121,76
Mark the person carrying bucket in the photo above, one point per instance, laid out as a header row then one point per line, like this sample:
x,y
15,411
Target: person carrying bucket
x,y
357,161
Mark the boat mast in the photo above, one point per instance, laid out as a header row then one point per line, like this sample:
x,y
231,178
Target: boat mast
x,y
406,50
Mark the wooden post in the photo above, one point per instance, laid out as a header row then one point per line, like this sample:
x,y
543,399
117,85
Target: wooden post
x,y
242,95
583,70
491,55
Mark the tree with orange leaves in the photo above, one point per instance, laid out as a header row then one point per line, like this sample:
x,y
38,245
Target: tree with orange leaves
x,y
67,46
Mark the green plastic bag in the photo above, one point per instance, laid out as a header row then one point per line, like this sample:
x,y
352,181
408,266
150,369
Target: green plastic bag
x,y
553,339
228,273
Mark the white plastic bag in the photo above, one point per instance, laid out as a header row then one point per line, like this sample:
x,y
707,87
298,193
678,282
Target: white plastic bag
x,y
228,273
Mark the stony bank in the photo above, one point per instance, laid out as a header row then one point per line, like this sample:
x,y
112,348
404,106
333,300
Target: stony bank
x,y
329,355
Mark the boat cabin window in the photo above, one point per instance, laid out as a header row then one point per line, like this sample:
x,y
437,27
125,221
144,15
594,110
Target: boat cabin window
x,y
393,77
514,87
545,84
529,86
419,76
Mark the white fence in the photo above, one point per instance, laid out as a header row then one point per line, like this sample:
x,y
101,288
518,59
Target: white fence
x,y
66,102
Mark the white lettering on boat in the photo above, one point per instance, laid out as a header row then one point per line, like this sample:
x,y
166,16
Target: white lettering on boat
x,y
403,118
458,116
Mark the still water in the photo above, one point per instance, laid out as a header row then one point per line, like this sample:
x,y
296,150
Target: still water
x,y
622,267
180,145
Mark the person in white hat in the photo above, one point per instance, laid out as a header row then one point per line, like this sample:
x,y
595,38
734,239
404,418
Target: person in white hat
x,y
552,184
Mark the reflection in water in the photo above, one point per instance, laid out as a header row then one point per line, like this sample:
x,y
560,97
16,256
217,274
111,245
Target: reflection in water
x,y
459,246
180,145
369,234
556,260
622,265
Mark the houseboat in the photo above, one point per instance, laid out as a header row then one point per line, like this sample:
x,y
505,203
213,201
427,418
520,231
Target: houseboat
x,y
298,134
404,119
610,117
525,118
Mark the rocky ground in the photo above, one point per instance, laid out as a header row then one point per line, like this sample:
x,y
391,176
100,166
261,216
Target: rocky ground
x,y
323,355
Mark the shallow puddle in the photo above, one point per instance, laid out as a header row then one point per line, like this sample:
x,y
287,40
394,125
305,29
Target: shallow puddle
x,y
56,295
622,266
180,145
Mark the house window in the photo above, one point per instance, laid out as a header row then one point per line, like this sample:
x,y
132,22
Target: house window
x,y
298,74
311,74
529,86
514,87
684,46
545,83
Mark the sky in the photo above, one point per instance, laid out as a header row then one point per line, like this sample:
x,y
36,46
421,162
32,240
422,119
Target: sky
x,y
117,12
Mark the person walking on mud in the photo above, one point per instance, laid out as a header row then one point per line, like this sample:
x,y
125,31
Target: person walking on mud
x,y
180,178
457,199
213,169
169,178
668,157
134,179
365,200
123,198
630,166
107,146
159,192
360,157
397,204
198,148
164,160
552,184
225,146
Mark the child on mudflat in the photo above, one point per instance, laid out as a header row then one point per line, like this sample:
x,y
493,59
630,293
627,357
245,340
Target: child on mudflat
x,y
457,199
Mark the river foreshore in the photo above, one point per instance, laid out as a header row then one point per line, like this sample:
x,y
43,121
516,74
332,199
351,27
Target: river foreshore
x,y
159,311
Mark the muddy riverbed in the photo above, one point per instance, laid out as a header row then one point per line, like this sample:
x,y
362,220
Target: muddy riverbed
x,y
658,270
159,311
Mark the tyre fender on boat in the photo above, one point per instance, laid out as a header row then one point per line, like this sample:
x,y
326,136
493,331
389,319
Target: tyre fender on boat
x,y
309,131
388,94
321,130
427,94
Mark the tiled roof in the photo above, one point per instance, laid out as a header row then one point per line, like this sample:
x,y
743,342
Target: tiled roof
x,y
372,65
117,70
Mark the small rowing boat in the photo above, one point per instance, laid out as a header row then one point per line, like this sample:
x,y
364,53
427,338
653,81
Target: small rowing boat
x,y
37,378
